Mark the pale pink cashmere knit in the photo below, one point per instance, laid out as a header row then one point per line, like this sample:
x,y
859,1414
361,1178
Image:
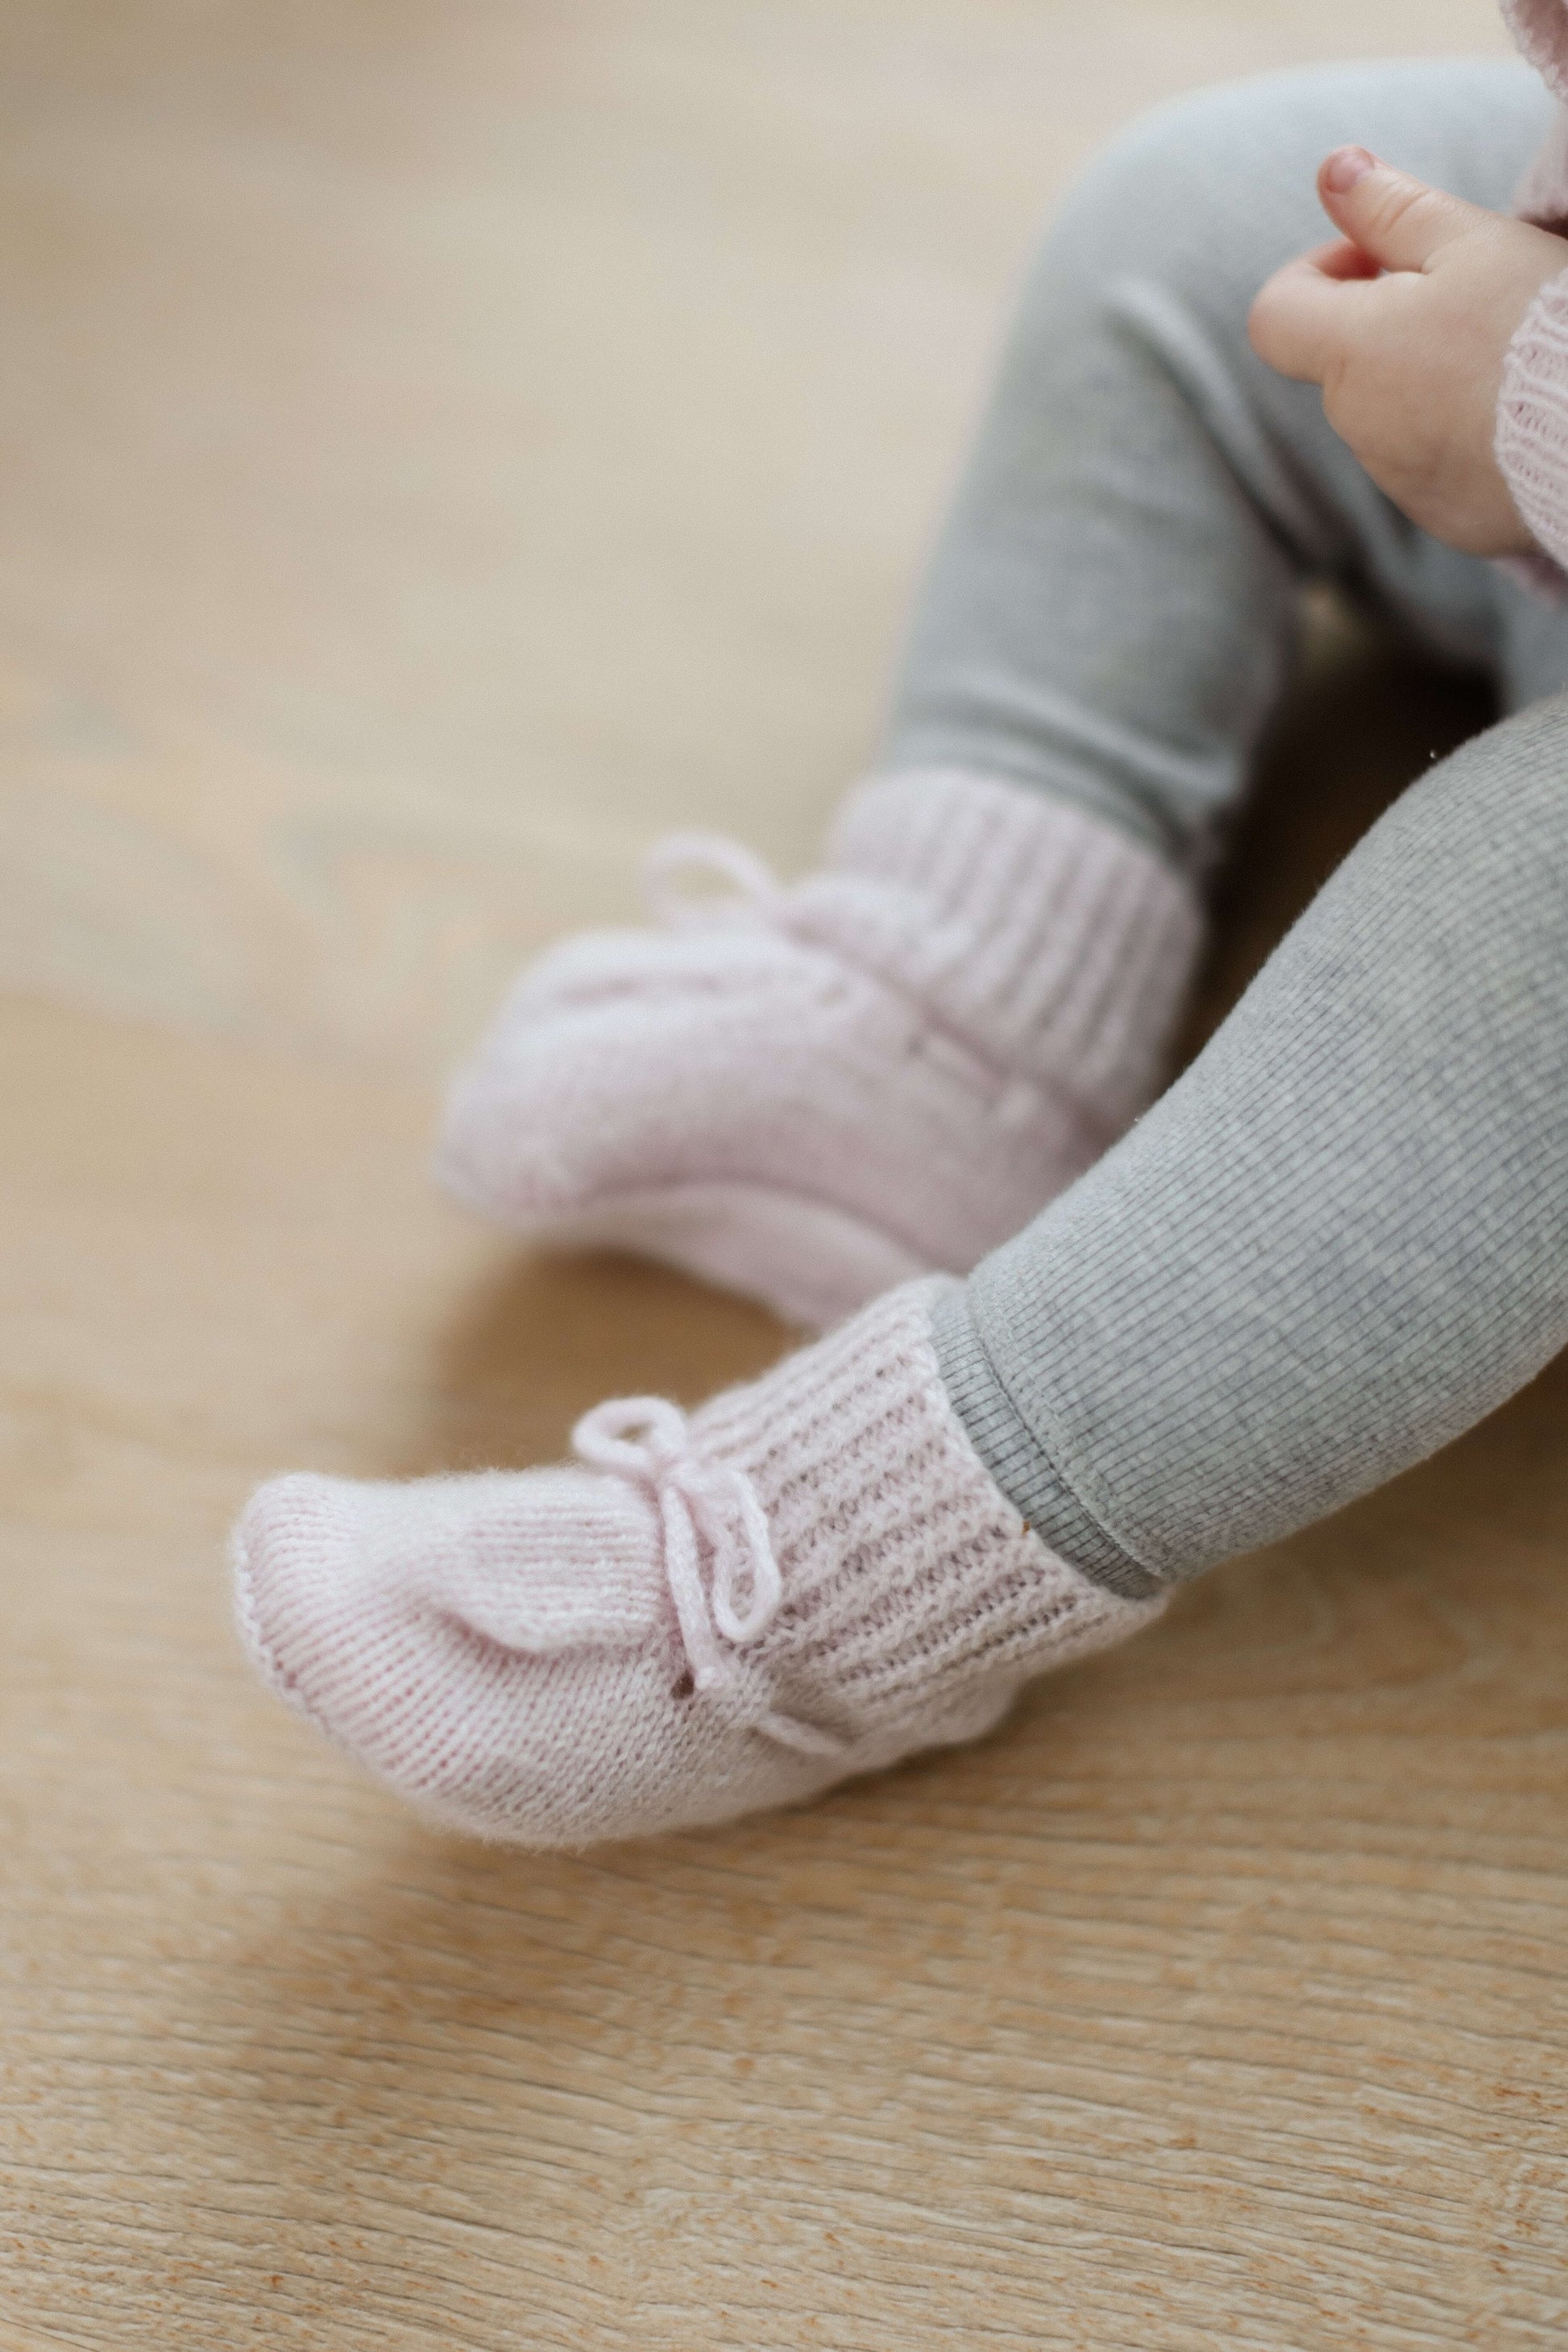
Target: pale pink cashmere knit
x,y
810,1093
1532,408
811,1577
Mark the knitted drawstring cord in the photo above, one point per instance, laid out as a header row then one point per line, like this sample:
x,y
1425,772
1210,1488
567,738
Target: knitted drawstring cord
x,y
757,889
709,1505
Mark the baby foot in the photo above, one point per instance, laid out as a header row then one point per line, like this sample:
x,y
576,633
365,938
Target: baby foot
x,y
811,1577
811,1094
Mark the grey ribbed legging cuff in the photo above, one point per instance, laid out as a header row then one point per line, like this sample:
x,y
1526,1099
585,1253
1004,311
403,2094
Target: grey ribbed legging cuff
x,y
1343,1236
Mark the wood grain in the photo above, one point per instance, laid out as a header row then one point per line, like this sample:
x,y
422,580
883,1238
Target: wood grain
x,y
443,445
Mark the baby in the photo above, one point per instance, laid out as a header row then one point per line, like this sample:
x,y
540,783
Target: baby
x,y
1081,1348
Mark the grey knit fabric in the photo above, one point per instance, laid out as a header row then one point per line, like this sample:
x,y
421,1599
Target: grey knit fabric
x,y
1343,1236
1113,600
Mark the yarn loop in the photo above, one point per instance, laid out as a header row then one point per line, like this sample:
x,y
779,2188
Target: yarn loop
x,y
702,1506
755,888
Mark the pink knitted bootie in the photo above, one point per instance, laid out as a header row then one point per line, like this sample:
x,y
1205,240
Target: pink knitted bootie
x,y
812,1577
809,1094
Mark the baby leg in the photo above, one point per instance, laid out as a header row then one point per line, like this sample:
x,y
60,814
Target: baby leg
x,y
1338,1241
892,1065
1113,603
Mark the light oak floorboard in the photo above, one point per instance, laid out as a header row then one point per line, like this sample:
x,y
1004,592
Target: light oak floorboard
x,y
445,444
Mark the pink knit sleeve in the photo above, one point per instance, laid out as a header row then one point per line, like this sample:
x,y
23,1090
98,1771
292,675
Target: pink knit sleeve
x,y
1532,418
1532,408
1541,195
1539,28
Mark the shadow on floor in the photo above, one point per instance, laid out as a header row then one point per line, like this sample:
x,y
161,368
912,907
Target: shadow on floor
x,y
1363,718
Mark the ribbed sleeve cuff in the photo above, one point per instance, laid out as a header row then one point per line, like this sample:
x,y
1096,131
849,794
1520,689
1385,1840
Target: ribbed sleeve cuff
x,y
1532,418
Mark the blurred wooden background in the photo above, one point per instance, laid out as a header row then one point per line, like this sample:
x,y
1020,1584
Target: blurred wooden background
x,y
444,443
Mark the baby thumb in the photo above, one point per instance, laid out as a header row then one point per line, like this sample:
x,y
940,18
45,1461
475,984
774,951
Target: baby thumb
x,y
1398,222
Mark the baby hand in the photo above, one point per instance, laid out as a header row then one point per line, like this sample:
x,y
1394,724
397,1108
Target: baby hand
x,y
1405,321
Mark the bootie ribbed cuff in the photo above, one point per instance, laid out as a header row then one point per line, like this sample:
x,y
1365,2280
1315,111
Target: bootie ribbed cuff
x,y
1043,934
912,1586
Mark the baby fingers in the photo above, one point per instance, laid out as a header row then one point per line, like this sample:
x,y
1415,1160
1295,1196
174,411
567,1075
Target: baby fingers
x,y
1306,317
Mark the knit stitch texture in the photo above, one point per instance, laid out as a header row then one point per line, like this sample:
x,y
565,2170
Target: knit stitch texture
x,y
812,1577
1532,406
1532,418
816,1092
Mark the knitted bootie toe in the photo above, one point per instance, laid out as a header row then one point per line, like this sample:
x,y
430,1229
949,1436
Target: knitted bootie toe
x,y
811,1094
812,1577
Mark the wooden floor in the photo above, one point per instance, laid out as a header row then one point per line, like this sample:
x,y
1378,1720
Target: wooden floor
x,y
446,442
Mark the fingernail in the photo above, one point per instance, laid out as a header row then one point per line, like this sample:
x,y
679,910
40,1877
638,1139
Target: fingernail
x,y
1345,166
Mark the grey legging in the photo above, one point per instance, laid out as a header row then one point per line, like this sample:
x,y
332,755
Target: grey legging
x,y
1342,1237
